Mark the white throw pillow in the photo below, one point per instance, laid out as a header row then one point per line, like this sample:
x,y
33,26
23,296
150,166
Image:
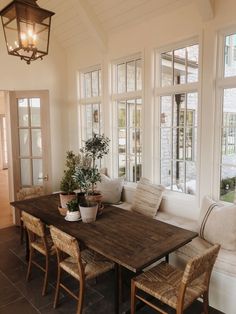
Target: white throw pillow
x,y
110,189
218,223
147,197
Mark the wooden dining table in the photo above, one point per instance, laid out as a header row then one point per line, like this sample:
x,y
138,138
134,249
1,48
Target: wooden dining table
x,y
131,240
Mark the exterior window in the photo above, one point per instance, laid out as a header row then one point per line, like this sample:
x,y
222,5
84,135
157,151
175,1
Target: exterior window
x,y
178,119
230,55
91,103
127,97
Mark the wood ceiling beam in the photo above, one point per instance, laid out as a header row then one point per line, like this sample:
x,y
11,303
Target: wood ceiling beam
x,y
92,23
206,9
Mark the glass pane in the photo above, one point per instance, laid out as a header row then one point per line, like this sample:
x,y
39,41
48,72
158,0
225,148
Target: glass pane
x,y
96,124
132,112
25,165
87,84
35,112
100,83
122,165
230,55
166,134
179,110
23,113
178,143
189,143
130,76
132,141
139,145
178,176
122,114
192,109
138,113
138,170
122,141
228,183
132,169
138,74
37,171
192,63
166,111
179,66
166,173
95,83
121,78
36,142
24,142
88,116
191,178
166,69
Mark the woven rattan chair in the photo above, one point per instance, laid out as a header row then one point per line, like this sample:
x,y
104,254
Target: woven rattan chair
x,y
178,289
24,194
82,265
39,241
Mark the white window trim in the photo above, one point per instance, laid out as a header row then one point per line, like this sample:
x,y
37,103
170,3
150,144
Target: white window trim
x,y
221,84
124,96
170,90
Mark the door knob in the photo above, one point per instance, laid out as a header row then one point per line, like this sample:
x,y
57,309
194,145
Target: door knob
x,y
45,178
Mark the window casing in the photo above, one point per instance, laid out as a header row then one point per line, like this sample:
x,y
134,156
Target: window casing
x,y
226,96
90,102
177,96
127,105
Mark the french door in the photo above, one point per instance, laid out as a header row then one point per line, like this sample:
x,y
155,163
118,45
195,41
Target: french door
x,y
30,138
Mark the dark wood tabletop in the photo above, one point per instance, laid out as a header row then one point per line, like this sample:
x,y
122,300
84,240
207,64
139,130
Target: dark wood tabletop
x,y
128,238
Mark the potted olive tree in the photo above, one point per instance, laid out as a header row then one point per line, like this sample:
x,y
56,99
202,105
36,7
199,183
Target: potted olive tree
x,y
68,184
87,174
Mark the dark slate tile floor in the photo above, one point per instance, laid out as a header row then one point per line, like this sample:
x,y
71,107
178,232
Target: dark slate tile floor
x,y
20,297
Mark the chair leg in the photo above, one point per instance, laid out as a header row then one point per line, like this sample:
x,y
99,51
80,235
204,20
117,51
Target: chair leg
x,y
205,302
81,298
22,230
57,287
45,282
133,297
29,263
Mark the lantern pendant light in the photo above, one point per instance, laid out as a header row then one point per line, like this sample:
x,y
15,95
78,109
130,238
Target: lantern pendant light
x,y
26,29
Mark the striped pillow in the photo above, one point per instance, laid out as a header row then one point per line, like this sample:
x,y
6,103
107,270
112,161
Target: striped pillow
x,y
147,198
217,223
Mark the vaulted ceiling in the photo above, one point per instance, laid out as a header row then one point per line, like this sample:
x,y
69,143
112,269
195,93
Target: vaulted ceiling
x,y
78,20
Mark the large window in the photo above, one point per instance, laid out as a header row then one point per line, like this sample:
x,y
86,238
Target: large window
x,y
91,103
127,98
228,120
178,112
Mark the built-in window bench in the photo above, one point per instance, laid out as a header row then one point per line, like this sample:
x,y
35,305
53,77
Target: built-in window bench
x,y
223,280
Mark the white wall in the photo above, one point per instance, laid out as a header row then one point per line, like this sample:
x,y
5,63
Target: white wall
x,y
49,74
157,32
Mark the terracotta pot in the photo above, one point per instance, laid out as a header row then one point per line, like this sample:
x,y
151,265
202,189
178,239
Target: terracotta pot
x,y
88,212
96,198
65,198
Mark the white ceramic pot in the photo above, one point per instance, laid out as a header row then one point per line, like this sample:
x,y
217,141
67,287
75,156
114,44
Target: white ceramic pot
x,y
88,213
72,216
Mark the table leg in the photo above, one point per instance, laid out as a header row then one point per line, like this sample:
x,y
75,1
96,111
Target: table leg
x,y
26,245
118,288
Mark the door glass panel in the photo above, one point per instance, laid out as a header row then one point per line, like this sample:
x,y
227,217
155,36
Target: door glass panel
x,y
25,172
37,171
35,112
24,142
23,113
36,142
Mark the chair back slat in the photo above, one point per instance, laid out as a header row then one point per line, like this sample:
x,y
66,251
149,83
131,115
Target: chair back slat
x,y
65,243
200,265
33,224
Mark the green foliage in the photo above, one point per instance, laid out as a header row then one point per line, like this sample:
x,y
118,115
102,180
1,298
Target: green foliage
x,y
72,205
86,171
68,184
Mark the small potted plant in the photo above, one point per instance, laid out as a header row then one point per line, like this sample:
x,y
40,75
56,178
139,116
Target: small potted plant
x,y
87,174
72,210
68,184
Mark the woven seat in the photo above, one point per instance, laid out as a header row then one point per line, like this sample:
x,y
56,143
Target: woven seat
x,y
82,265
39,241
174,287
